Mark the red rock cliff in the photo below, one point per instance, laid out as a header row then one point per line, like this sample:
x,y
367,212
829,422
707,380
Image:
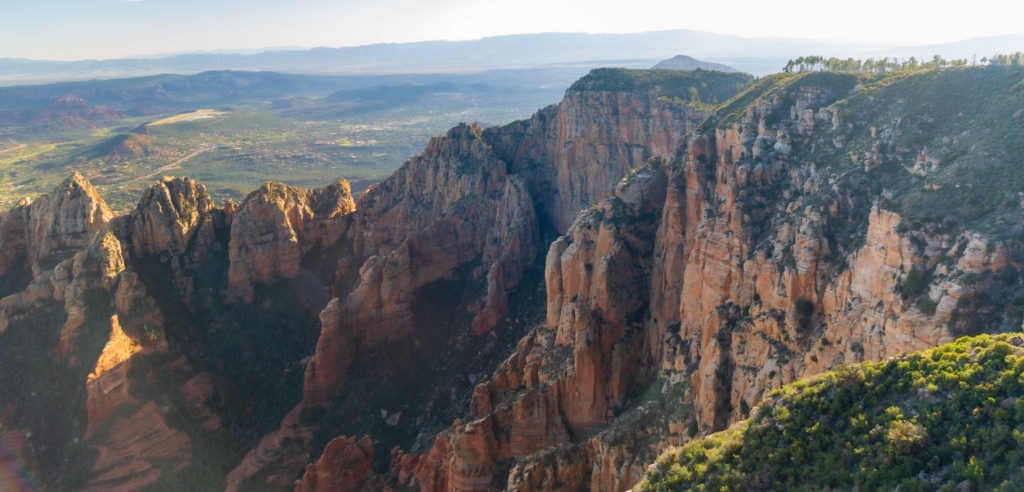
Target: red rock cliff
x,y
736,287
481,198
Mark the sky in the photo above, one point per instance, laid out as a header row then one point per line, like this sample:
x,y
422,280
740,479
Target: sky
x,y
102,29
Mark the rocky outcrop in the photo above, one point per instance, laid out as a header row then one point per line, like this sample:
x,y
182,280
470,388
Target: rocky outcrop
x,y
757,269
108,382
426,470
471,211
167,217
276,226
416,228
78,264
281,453
64,221
126,455
14,268
53,227
354,460
565,380
335,351
764,306
470,180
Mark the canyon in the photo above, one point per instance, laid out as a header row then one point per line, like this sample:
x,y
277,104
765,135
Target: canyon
x,y
544,305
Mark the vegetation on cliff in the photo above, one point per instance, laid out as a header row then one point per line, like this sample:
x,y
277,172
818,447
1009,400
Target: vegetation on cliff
x,y
698,87
934,137
940,147
885,64
933,420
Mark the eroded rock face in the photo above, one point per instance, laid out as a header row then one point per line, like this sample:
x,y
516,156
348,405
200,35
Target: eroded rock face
x,y
167,217
737,285
354,460
473,207
124,457
416,228
566,379
108,381
439,212
276,226
575,152
281,452
64,221
90,282
53,228
102,279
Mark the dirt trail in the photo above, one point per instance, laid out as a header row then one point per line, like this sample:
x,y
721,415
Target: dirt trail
x,y
166,168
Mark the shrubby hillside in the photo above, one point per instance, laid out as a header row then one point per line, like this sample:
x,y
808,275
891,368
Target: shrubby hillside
x,y
948,418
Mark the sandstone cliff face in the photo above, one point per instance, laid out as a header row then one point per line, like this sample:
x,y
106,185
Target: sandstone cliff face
x,y
67,227
92,315
566,379
472,209
764,307
417,228
167,217
575,152
54,227
276,226
762,267
439,211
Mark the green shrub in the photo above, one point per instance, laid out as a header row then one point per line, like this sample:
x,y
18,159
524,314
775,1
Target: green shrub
x,y
913,283
926,305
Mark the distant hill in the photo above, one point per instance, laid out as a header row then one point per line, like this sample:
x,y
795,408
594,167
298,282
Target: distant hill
x,y
671,84
968,48
123,147
683,62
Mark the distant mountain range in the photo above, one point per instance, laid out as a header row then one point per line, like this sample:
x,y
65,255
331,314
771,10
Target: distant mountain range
x,y
754,55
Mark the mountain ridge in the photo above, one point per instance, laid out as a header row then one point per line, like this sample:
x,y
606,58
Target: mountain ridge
x,y
686,260
511,51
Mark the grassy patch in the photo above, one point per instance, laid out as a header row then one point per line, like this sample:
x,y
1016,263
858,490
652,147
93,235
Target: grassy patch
x,y
200,114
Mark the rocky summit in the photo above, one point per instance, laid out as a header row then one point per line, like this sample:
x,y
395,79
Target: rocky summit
x,y
545,305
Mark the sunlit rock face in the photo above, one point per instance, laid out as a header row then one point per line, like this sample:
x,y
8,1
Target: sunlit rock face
x,y
276,226
52,228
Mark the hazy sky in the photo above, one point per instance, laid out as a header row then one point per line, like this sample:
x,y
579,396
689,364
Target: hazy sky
x,y
96,29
